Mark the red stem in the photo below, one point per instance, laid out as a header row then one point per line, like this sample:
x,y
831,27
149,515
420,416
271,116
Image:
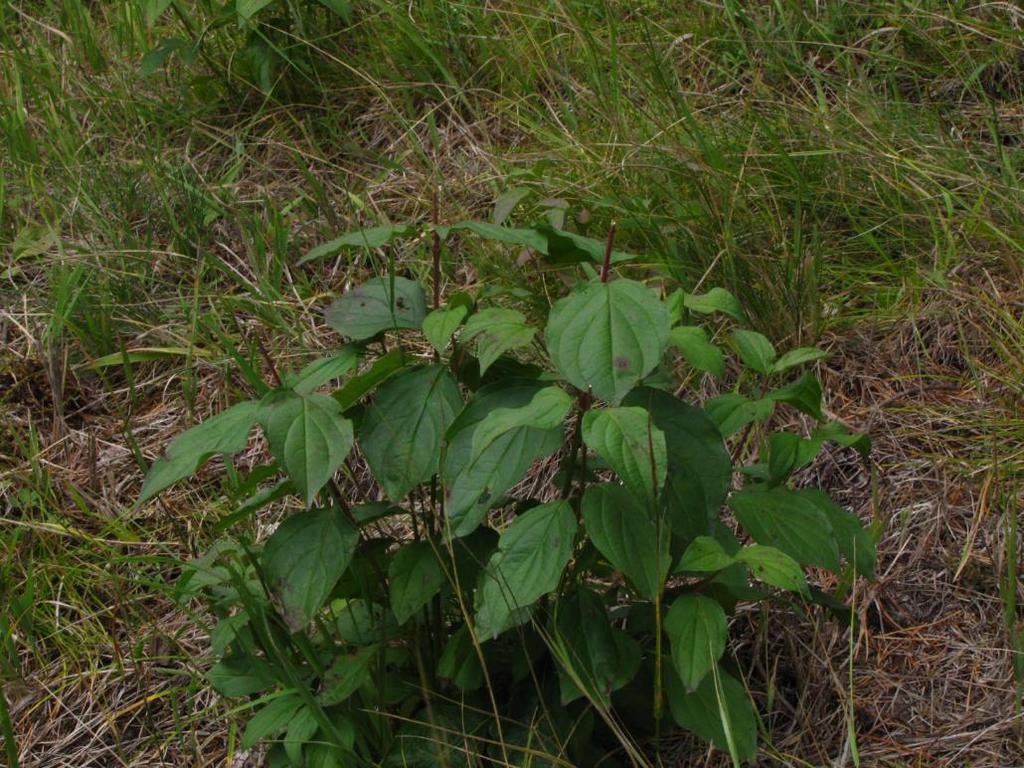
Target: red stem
x,y
608,253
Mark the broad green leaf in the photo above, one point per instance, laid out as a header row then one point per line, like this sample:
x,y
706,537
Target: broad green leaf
x,y
607,336
158,56
569,248
440,325
249,8
719,700
304,558
225,433
715,300
731,412
797,357
506,203
340,8
414,577
854,541
624,533
321,372
496,331
358,386
152,10
370,308
773,566
532,553
633,446
459,661
476,481
346,675
529,238
693,344
696,627
403,427
308,436
235,676
704,555
840,434
699,467
754,349
273,718
546,410
372,237
592,652
300,730
786,454
781,518
804,394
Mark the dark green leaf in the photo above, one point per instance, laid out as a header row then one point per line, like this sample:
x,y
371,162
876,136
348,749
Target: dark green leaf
x,y
632,445
372,237
241,676
773,566
225,433
532,552
340,8
592,652
300,730
624,533
607,336
704,555
699,467
797,357
529,238
546,410
855,543
308,436
414,576
506,203
496,331
460,663
475,481
152,10
440,325
731,412
323,371
304,558
693,344
382,369
370,308
719,711
781,518
248,8
401,433
157,57
754,349
346,675
569,248
271,719
715,300
785,455
696,627
804,394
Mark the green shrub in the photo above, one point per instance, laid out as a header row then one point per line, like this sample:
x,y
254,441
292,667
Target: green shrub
x,y
460,616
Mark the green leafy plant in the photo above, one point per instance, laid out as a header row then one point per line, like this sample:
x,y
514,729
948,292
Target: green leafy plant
x,y
267,37
470,610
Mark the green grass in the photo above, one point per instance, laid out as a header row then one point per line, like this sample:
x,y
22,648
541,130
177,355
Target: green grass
x,y
833,163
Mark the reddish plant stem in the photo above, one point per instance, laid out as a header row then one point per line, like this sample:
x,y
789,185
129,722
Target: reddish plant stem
x,y
605,267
